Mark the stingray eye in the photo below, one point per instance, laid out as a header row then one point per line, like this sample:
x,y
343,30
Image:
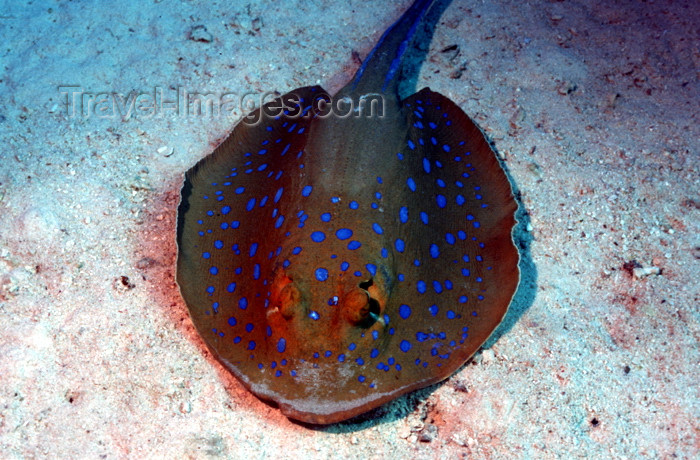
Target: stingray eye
x,y
289,298
360,308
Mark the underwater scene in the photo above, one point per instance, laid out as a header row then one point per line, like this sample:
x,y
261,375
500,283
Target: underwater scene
x,y
417,229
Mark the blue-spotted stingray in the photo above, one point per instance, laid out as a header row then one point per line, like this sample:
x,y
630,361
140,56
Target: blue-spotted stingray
x,y
338,252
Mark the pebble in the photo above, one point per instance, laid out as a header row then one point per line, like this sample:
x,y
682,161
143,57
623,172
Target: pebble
x,y
165,151
641,272
200,34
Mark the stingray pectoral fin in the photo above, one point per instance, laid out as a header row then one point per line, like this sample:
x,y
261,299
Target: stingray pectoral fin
x,y
233,215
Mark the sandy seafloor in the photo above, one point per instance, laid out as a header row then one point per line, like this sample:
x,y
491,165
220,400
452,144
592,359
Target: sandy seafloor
x,y
592,104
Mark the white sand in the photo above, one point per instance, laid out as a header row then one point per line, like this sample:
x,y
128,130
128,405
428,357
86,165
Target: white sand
x,y
593,106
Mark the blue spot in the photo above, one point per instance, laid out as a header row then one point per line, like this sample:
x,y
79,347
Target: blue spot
x,y
314,315
278,195
206,255
225,209
256,271
424,218
426,165
353,205
405,345
434,251
404,311
379,180
400,245
441,201
253,249
360,361
421,286
296,250
249,327
451,314
375,335
341,357
450,238
372,269
411,145
437,286
306,191
422,336
403,214
343,233
213,270
210,289
377,228
354,245
374,353
433,310
231,287
280,221
317,237
477,225
361,378
411,184
250,205
218,244
281,345
240,190
335,199
446,147
251,345
321,274
459,200
232,321
326,217
352,346
385,253
243,303
470,217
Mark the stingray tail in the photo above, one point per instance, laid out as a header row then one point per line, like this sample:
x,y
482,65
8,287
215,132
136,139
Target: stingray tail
x,y
380,70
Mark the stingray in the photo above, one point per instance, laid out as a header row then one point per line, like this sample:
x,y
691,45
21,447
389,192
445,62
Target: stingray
x,y
337,252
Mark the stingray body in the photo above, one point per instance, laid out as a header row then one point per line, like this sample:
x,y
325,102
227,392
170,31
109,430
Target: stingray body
x,y
334,257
